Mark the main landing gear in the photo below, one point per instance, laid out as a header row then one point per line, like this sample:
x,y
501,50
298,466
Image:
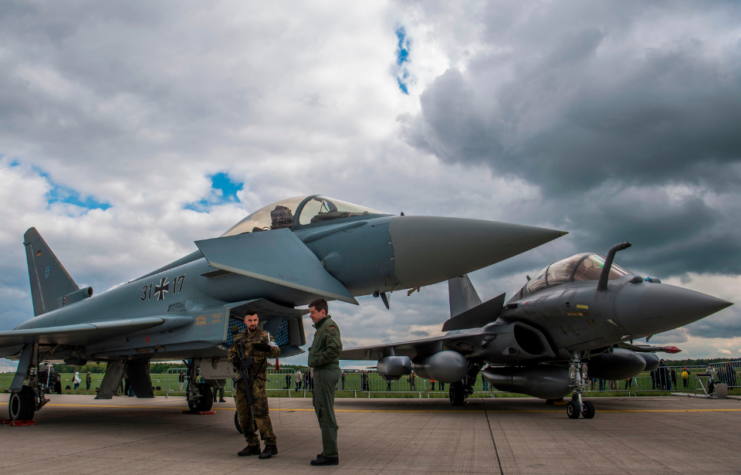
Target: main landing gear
x,y
461,390
200,398
26,399
578,375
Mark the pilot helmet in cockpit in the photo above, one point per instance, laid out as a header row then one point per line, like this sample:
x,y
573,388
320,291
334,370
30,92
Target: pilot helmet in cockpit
x,y
281,217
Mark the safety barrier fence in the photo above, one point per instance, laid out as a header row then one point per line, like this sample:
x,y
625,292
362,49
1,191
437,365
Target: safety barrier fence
x,y
364,384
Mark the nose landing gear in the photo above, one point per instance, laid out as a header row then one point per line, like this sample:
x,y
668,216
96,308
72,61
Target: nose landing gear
x,y
578,375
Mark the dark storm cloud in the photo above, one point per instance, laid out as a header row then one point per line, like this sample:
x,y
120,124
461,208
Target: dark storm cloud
x,y
674,336
726,324
627,141
671,117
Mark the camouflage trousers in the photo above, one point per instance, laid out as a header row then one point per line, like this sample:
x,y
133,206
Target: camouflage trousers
x,y
259,414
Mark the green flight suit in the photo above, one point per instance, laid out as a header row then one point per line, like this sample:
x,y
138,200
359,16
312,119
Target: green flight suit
x,y
324,357
260,410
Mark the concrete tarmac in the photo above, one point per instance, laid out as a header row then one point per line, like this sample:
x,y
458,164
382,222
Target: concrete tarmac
x,y
663,435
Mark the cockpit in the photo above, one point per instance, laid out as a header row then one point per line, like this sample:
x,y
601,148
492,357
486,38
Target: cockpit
x,y
585,266
298,212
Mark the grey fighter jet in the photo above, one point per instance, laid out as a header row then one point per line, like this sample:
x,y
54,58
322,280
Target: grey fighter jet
x,y
275,259
583,310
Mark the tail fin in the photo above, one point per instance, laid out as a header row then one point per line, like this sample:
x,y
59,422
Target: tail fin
x,y
49,278
462,295
466,309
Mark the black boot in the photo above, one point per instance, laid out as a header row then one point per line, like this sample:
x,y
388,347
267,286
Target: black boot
x,y
322,460
249,450
269,451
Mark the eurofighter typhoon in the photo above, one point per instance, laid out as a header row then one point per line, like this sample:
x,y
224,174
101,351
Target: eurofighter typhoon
x,y
275,259
581,311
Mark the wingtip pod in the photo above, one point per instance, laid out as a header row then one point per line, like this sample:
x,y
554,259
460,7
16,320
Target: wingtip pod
x,y
428,250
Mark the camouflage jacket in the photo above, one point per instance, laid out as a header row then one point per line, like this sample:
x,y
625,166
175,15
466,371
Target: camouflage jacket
x,y
327,344
259,363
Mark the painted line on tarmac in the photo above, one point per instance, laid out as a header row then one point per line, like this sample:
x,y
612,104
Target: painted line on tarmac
x,y
401,411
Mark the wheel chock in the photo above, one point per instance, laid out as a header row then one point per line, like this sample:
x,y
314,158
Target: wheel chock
x,y
201,413
13,423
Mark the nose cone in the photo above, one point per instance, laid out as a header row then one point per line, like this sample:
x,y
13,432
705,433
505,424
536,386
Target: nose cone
x,y
428,250
665,307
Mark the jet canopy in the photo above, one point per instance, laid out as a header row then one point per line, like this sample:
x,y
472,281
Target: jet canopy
x,y
299,211
585,266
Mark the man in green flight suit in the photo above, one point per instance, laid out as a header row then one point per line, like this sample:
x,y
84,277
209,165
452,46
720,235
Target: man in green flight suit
x,y
324,357
259,345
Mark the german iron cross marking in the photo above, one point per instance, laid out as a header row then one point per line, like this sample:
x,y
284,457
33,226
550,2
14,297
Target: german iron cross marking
x,y
161,289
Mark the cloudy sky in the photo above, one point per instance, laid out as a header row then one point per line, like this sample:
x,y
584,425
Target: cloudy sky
x,y
127,131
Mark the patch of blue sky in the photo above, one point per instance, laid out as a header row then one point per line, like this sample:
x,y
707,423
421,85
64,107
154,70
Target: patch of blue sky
x,y
402,59
64,194
223,190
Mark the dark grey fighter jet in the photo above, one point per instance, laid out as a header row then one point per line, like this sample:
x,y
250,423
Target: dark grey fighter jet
x,y
578,311
276,259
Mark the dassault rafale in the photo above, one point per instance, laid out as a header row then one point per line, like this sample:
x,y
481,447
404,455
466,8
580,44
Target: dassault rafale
x,y
581,311
274,260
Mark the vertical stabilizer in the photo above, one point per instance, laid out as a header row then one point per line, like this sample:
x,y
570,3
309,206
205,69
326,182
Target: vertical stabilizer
x,y
462,295
49,278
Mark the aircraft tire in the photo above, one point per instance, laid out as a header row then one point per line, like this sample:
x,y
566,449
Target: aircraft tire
x,y
21,405
205,402
207,397
457,394
572,410
587,411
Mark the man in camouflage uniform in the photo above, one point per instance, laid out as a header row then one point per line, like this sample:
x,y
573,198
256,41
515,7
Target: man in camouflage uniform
x,y
324,359
259,345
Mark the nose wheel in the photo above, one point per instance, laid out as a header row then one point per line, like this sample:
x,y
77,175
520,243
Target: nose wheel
x,y
578,374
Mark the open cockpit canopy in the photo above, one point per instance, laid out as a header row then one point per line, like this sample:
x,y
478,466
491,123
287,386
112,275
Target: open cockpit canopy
x,y
584,266
299,211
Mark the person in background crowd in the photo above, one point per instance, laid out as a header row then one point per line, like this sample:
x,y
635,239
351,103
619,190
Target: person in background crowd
x,y
298,379
181,378
220,391
432,385
412,381
685,377
602,384
442,386
288,381
88,380
653,379
628,383
674,378
485,383
77,379
388,385
730,375
309,380
662,375
342,377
